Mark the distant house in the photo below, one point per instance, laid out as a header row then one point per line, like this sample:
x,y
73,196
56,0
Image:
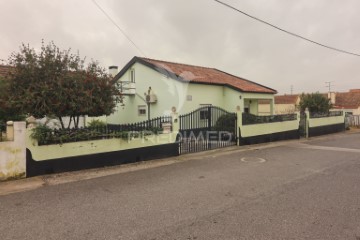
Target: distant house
x,y
347,101
284,104
4,69
182,88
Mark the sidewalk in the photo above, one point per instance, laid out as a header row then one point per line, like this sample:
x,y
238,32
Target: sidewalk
x,y
27,184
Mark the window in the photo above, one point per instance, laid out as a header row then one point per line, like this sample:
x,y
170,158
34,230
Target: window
x,y
204,113
132,75
142,110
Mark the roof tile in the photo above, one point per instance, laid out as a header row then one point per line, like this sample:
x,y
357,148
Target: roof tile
x,y
286,99
197,74
4,69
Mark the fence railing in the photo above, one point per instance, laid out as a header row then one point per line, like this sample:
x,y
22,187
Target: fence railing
x,y
248,119
328,114
353,120
149,125
46,136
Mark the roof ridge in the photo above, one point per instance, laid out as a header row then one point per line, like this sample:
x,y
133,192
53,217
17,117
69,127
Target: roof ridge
x,y
204,75
244,79
163,61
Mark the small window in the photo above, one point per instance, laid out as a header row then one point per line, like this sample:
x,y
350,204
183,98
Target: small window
x,y
189,97
142,110
132,75
204,113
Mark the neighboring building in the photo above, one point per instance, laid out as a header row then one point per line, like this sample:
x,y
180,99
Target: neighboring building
x,y
4,69
284,104
182,88
347,101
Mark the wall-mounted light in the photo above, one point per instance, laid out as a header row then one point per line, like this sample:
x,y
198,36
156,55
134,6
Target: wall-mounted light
x,y
240,96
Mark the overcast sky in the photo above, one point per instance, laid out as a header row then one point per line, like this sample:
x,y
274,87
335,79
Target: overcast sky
x,y
201,32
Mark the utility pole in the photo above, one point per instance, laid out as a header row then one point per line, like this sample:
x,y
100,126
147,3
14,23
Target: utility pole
x,y
328,85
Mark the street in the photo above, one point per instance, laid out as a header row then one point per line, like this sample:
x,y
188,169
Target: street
x,y
296,190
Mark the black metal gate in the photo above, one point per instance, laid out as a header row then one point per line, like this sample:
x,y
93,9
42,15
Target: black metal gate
x,y
207,128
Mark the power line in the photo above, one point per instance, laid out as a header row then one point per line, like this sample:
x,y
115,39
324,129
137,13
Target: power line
x,y
118,27
328,85
283,30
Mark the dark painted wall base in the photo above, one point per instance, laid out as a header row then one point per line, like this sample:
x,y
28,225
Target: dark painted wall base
x,y
35,168
317,131
294,134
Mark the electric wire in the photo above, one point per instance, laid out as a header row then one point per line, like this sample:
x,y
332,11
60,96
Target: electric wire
x,y
119,28
288,32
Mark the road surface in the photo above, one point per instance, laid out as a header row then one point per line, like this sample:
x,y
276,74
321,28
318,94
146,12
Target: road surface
x,y
296,190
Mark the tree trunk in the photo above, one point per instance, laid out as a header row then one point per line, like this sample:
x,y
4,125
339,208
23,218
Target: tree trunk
x,y
70,120
61,122
76,121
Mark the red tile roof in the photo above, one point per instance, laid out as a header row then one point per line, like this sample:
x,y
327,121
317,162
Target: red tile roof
x,y
349,100
4,69
354,90
346,100
286,99
197,74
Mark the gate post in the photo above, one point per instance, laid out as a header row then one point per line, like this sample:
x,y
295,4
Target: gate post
x,y
175,122
239,126
209,127
307,122
209,118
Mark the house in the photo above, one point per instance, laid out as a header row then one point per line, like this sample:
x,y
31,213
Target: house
x,y
154,88
284,104
4,70
347,101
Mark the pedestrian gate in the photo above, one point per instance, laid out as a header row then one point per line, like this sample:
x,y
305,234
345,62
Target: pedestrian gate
x,y
207,128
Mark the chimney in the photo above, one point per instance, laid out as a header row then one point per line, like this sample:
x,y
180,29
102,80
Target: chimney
x,y
113,70
332,97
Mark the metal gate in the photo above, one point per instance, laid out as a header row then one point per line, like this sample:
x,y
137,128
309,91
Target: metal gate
x,y
207,128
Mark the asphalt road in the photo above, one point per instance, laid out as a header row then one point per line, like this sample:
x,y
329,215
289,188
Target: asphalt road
x,y
299,190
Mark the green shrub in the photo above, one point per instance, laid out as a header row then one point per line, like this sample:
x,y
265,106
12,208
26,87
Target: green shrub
x,y
96,124
225,122
42,133
96,130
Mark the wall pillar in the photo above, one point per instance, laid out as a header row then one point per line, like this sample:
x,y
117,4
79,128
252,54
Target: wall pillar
x,y
13,153
272,109
239,125
307,121
10,131
175,122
